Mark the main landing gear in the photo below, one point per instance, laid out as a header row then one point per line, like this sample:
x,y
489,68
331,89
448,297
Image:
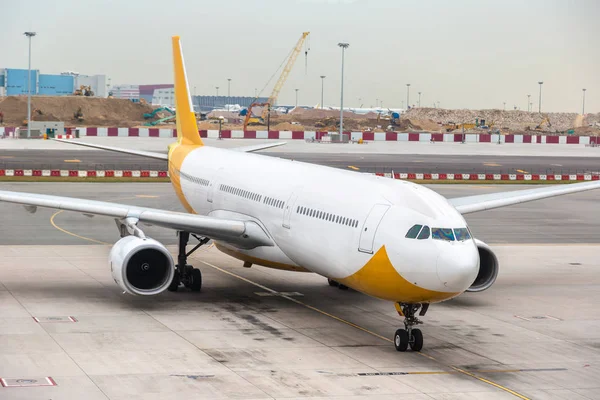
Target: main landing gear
x,y
188,275
410,336
336,284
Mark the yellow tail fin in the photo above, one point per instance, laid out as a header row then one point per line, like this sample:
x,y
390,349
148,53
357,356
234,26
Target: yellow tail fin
x,y
187,130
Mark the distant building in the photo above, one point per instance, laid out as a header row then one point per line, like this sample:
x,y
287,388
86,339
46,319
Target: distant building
x,y
164,97
209,103
131,92
13,82
147,92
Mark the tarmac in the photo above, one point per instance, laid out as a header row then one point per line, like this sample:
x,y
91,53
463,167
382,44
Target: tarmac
x,y
365,162
261,334
300,146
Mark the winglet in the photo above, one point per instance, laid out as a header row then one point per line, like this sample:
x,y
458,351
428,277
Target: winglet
x,y
187,129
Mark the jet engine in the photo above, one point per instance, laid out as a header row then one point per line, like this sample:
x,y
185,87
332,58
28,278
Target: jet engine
x,y
141,266
488,268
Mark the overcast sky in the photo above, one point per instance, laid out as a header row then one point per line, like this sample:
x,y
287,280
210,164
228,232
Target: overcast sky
x,y
462,53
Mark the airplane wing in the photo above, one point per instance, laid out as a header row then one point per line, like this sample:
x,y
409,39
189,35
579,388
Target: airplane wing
x,y
471,204
257,147
245,233
163,156
147,154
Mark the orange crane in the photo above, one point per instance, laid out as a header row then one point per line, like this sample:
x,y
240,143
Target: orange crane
x,y
279,84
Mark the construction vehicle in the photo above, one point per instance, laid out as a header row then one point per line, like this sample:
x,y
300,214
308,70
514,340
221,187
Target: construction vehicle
x,y
78,115
161,121
157,110
252,119
34,112
545,121
391,116
84,91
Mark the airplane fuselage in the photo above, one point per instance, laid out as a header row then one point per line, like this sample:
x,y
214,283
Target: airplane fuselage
x,y
343,225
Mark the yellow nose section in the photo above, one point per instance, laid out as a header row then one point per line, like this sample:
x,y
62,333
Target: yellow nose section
x,y
379,278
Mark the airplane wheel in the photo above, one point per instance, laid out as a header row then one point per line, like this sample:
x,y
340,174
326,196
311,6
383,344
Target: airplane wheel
x,y
332,283
401,340
342,287
175,282
416,343
196,283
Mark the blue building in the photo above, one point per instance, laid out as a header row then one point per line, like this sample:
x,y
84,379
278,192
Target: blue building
x,y
56,85
13,82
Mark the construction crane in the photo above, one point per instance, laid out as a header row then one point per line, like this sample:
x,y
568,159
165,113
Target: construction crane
x,y
284,74
278,85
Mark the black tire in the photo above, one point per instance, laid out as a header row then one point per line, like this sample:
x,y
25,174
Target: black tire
x,y
175,282
196,283
342,287
401,340
332,282
417,340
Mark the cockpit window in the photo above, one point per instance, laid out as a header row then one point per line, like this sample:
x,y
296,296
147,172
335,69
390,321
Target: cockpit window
x,y
424,233
413,232
462,234
442,234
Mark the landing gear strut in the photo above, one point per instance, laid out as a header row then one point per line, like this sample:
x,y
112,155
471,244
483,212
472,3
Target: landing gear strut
x,y
410,336
188,275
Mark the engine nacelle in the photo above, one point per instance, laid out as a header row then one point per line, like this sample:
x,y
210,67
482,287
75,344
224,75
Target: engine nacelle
x,y
488,268
141,266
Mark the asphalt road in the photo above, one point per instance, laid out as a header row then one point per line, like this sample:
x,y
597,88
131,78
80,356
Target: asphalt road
x,y
567,219
97,160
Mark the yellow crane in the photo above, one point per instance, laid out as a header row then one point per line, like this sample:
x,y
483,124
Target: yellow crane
x,y
284,74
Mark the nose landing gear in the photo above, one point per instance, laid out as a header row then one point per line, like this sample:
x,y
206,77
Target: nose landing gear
x,y
410,336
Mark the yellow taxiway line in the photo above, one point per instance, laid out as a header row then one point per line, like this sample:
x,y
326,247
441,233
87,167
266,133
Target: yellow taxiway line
x,y
457,369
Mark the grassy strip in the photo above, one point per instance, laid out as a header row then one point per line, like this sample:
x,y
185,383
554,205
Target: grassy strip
x,y
154,180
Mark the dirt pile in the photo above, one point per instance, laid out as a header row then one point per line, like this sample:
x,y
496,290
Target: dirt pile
x,y
513,120
96,111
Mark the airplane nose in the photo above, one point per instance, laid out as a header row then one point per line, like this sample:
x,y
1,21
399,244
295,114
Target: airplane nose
x,y
457,267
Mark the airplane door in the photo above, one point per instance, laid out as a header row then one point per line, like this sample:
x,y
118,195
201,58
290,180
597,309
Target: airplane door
x,y
212,186
289,207
367,234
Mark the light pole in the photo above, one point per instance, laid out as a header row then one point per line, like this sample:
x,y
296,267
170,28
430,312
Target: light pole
x,y
504,108
228,87
583,106
407,95
296,96
419,99
322,83
29,36
344,46
376,103
528,101
359,102
216,87
540,106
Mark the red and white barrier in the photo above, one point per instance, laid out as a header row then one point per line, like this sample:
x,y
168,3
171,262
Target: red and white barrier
x,y
397,175
317,135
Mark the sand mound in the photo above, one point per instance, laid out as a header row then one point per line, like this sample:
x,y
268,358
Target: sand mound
x,y
96,111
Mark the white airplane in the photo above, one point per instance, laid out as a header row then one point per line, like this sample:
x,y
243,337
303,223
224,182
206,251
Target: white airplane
x,y
390,239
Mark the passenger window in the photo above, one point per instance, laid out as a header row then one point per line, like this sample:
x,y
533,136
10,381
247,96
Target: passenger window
x,y
424,233
442,234
413,232
462,234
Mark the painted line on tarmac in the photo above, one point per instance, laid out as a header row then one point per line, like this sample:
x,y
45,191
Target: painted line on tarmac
x,y
53,223
71,233
276,293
